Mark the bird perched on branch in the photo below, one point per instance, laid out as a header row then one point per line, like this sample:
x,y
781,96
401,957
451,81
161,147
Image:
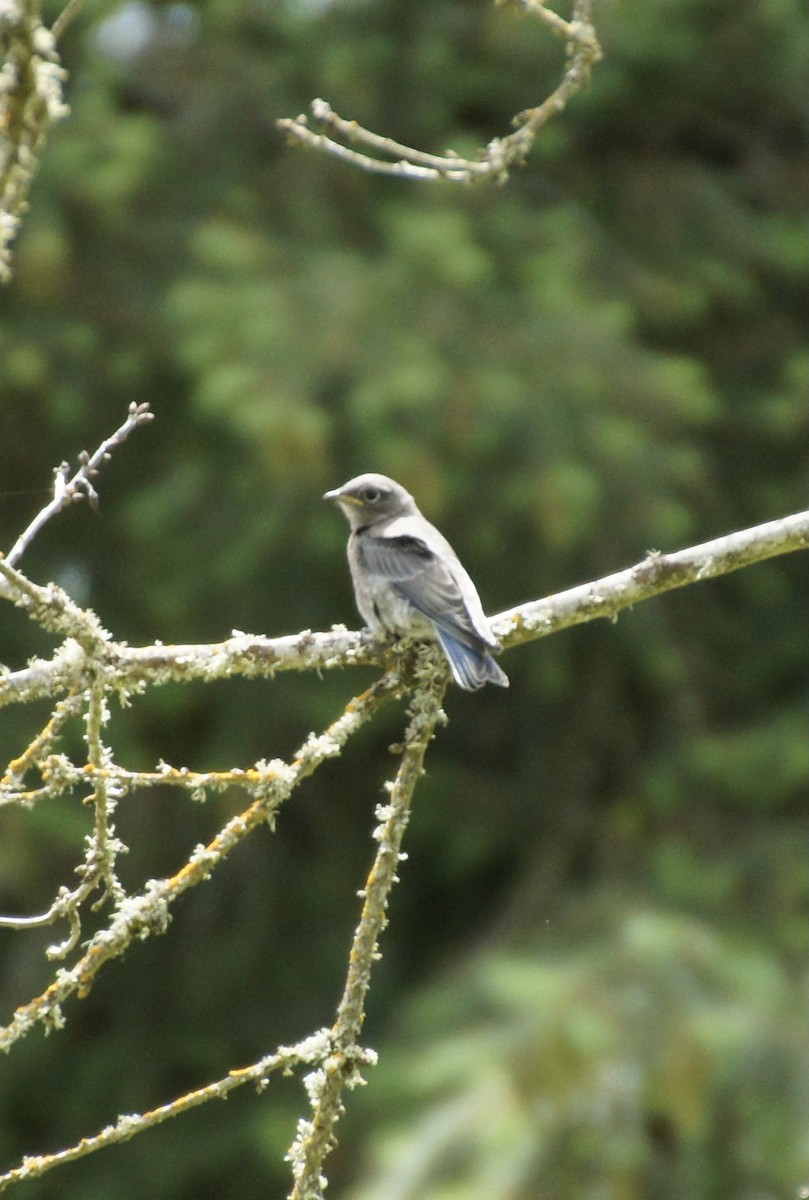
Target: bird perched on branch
x,y
408,580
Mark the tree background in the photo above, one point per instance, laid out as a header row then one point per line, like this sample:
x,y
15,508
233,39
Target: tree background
x,y
592,983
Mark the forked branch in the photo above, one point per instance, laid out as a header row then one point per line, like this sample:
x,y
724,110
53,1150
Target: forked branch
x,y
67,488
336,136
89,668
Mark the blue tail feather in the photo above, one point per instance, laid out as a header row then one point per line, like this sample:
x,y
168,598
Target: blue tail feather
x,y
471,666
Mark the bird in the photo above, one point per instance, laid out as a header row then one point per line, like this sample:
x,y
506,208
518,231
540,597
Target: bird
x,y
408,581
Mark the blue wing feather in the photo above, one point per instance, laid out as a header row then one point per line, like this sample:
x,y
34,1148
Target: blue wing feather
x,y
426,580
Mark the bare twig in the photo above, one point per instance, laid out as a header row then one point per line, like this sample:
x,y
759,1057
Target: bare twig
x,y
492,162
67,490
65,17
66,907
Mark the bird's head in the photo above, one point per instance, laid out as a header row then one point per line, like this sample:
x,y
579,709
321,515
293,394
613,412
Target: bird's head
x,y
371,498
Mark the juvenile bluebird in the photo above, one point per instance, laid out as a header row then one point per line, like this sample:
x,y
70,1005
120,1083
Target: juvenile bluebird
x,y
408,580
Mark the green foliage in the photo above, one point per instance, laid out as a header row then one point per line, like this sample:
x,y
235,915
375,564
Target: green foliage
x,y
641,1057
605,356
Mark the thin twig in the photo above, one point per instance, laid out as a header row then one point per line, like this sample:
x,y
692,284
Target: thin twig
x,y
126,1127
67,490
52,608
493,161
99,864
66,907
139,916
410,163
40,746
65,17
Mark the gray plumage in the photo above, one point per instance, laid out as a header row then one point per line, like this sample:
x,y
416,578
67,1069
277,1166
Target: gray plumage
x,y
408,579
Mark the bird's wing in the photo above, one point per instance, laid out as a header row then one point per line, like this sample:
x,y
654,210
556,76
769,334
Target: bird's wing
x,y
426,578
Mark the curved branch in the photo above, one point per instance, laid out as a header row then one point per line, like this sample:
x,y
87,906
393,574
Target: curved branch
x,y
65,17
493,161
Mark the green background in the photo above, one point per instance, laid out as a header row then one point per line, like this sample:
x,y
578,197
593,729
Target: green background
x,y
592,984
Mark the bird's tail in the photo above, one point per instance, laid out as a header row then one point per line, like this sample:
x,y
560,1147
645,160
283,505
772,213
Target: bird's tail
x,y
471,666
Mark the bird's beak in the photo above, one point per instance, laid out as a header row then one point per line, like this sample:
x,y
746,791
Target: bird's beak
x,y
342,497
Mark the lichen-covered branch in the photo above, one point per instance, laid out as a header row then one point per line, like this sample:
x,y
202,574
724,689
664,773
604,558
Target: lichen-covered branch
x,y
339,1067
652,576
382,155
136,917
90,670
30,101
285,1059
251,656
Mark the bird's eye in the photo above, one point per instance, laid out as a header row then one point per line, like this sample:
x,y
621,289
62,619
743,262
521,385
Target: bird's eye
x,y
370,495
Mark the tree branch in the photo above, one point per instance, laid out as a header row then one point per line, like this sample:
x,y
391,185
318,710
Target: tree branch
x,y
30,101
68,490
89,666
284,1059
339,1067
654,575
250,656
492,161
65,17
136,917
